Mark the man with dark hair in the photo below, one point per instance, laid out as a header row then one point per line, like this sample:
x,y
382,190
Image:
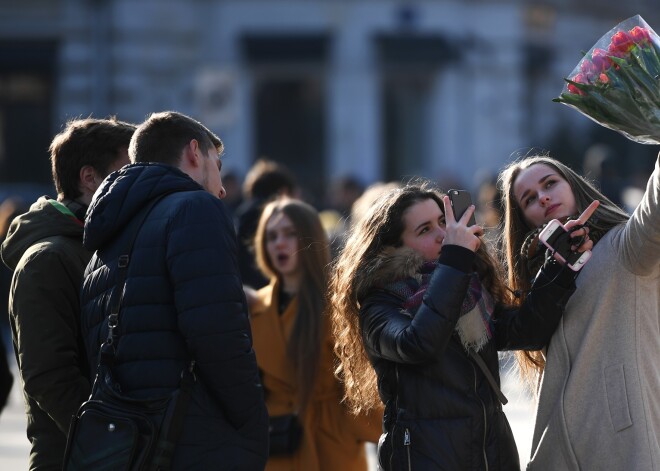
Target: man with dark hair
x,y
44,249
183,299
265,181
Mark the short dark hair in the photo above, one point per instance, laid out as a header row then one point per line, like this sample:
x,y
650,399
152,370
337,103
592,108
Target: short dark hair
x,y
89,141
266,179
162,137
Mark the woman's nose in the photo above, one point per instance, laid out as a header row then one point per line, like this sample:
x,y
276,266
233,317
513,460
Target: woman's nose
x,y
544,199
223,192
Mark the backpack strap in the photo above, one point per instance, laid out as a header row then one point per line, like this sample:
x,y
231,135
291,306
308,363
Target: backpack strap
x,y
166,446
122,268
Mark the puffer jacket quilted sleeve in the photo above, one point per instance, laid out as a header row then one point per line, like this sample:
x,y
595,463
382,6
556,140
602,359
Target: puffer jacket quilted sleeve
x,y
210,304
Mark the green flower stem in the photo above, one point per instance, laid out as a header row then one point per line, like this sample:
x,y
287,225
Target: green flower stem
x,y
628,100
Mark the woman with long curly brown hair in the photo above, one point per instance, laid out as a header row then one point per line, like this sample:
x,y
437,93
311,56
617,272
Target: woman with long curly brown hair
x,y
419,311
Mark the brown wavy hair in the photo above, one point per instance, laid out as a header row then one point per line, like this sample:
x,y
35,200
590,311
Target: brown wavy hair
x,y
381,227
516,229
304,347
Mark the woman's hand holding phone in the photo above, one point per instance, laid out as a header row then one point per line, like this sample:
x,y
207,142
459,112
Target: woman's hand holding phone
x,y
458,232
583,233
557,238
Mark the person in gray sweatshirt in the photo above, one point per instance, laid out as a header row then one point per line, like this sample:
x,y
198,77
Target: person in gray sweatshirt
x,y
599,378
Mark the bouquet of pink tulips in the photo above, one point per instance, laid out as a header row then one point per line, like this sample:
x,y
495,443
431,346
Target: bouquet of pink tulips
x,y
617,83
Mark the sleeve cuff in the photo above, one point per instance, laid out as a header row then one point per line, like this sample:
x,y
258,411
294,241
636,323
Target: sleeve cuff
x,y
560,274
457,257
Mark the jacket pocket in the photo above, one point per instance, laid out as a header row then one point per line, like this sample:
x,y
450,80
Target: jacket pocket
x,y
617,397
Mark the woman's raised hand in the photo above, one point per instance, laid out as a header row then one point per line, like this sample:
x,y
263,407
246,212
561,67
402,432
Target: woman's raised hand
x,y
458,232
582,234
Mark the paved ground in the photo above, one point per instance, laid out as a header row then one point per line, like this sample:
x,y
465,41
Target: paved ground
x,y
14,447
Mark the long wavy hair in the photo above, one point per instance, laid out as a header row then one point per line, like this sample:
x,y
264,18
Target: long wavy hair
x,y
304,347
516,229
381,227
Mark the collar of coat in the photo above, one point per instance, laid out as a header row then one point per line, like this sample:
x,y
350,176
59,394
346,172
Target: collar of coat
x,y
394,264
270,334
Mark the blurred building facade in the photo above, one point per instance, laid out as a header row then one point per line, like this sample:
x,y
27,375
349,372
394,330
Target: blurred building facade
x,y
380,89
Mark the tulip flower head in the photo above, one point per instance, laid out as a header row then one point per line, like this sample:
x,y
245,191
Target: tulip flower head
x,y
617,83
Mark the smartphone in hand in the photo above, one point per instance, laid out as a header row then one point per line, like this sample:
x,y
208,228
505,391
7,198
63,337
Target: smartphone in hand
x,y
460,202
558,239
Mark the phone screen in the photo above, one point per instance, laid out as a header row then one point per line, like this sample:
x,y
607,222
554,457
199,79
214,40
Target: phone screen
x,y
460,202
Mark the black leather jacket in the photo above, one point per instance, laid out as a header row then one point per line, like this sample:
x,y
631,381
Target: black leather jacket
x,y
440,411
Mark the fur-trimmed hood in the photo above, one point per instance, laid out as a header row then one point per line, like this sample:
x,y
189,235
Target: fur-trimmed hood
x,y
392,264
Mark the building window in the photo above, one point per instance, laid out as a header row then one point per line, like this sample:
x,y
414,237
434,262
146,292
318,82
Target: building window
x,y
26,95
410,64
288,103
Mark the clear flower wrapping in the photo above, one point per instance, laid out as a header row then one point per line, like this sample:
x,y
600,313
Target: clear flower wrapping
x,y
617,83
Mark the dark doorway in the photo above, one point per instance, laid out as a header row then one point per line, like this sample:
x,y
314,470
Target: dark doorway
x,y
407,124
409,65
289,103
290,126
26,96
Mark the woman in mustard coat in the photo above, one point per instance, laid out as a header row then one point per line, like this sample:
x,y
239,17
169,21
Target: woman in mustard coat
x,y
294,346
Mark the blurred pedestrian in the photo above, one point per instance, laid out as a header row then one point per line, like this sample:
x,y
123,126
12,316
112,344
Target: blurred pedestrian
x,y
335,217
601,367
234,193
6,377
489,210
343,192
44,249
294,345
369,198
419,311
9,209
265,181
183,299
337,231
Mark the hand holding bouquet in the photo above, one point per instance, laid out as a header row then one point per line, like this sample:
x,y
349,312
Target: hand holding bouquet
x,y
617,83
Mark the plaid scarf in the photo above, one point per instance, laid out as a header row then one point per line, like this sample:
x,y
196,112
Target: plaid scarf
x,y
475,324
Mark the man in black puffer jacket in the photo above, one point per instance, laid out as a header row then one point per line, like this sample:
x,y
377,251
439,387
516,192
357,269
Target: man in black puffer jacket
x,y
183,298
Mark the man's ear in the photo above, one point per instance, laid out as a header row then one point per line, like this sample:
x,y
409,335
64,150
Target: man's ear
x,y
190,154
89,179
